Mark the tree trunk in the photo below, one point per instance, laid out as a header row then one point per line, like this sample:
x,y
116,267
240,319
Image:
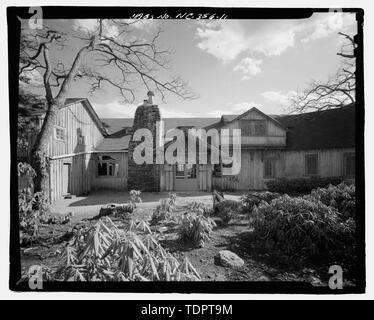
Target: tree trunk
x,y
40,152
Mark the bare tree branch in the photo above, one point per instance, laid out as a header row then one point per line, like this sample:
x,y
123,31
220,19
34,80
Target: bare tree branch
x,y
337,91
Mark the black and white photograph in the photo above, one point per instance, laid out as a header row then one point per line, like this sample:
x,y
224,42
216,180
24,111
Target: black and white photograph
x,y
187,149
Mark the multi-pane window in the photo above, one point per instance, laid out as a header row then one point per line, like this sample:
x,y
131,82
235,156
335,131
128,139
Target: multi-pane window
x,y
349,164
60,133
269,168
179,173
107,166
217,171
185,171
253,127
311,164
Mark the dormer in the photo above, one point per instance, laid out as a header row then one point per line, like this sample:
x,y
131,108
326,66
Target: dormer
x,y
258,129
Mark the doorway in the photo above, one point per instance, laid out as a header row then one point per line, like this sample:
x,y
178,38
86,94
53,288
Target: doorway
x,y
185,177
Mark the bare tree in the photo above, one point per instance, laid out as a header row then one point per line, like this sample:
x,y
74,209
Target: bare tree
x,y
121,61
337,91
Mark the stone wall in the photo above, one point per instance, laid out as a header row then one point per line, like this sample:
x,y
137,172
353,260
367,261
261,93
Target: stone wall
x,y
145,177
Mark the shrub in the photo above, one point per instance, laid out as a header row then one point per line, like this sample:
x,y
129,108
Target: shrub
x,y
342,197
164,209
196,228
250,200
199,207
103,252
300,185
227,209
298,226
135,197
33,209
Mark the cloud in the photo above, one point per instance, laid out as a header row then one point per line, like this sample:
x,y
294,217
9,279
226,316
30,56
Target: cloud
x,y
226,40
110,28
249,67
278,97
326,24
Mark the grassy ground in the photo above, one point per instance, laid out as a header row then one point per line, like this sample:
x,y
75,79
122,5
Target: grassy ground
x,y
260,263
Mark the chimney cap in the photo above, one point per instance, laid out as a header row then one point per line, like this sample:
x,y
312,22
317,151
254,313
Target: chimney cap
x,y
150,94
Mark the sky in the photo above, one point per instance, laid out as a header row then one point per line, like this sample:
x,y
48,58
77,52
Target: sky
x,y
231,65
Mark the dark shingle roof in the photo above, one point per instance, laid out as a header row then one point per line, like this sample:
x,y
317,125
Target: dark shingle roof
x,y
116,124
118,130
334,128
114,142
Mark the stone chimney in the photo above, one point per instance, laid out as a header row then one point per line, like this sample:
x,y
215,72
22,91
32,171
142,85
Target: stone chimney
x,y
144,177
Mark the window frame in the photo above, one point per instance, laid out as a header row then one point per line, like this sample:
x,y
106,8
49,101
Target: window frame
x,y
252,125
55,133
305,164
110,163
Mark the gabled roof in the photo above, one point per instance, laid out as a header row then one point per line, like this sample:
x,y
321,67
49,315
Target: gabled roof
x,y
115,142
86,104
334,128
228,119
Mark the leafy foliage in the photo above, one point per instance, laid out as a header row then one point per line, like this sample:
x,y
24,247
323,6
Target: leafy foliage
x,y
164,209
33,208
298,226
104,252
135,197
342,197
196,228
227,209
26,126
300,185
250,200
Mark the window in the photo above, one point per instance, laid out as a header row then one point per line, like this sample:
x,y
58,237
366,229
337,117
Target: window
x,y
107,166
217,172
59,133
179,174
269,169
311,164
253,127
349,164
191,171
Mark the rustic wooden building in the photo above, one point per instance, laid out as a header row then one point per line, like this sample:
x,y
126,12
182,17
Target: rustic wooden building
x,y
87,153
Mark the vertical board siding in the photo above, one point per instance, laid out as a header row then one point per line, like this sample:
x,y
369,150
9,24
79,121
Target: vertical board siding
x,y
288,164
276,135
330,162
76,121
